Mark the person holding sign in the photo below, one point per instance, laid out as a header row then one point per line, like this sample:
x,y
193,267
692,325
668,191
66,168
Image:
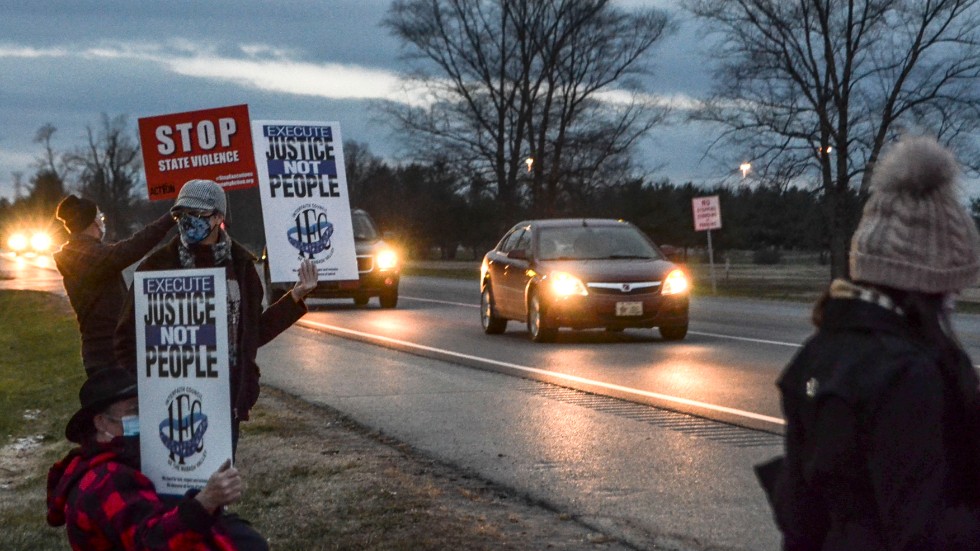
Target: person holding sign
x,y
200,210
92,273
98,492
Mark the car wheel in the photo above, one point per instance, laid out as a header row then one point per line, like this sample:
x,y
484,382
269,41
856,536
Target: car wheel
x,y
492,323
389,298
537,323
673,332
361,300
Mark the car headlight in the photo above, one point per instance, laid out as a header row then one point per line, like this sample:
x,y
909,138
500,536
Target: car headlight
x,y
675,283
40,242
386,259
564,284
17,242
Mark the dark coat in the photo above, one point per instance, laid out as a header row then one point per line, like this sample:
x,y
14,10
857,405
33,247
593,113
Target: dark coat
x,y
256,327
92,273
881,438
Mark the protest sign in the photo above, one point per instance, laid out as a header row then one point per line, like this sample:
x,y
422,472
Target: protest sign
x,y
183,376
305,204
211,144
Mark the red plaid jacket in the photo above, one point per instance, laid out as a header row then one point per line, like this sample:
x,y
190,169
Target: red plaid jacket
x,y
109,504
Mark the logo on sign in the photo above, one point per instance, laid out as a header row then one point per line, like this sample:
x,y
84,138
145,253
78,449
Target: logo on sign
x,y
182,432
311,232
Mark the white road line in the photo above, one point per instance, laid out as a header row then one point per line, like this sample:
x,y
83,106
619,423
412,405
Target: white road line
x,y
555,374
420,299
746,339
715,335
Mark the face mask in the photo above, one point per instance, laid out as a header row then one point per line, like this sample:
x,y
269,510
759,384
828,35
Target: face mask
x,y
130,424
193,229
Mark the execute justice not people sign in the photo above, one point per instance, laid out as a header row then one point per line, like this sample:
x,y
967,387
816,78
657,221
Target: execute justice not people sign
x,y
305,205
183,376
210,144
707,213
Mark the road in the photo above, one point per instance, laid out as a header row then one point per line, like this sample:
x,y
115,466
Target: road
x,y
725,369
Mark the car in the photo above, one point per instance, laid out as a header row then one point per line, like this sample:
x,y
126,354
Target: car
x,y
378,269
581,273
29,241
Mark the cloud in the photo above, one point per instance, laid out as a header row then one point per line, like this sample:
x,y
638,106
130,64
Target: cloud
x,y
255,65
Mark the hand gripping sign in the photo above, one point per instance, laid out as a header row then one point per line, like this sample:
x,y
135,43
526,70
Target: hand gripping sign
x,y
305,204
183,376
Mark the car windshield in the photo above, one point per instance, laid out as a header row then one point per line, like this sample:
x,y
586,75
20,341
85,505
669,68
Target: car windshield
x,y
364,229
594,242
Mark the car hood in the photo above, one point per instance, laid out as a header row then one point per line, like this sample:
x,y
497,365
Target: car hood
x,y
364,247
605,270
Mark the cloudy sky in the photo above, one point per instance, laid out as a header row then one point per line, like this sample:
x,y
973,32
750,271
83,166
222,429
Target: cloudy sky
x,y
66,62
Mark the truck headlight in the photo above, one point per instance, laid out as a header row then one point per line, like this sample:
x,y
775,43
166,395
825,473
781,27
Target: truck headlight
x,y
386,259
17,242
40,242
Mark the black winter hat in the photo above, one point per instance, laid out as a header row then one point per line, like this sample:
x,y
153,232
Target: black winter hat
x,y
104,388
76,213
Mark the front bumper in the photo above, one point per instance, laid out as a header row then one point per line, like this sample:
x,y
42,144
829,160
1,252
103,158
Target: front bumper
x,y
600,310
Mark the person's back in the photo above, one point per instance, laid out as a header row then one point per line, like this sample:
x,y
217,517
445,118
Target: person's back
x,y
92,274
882,405
877,452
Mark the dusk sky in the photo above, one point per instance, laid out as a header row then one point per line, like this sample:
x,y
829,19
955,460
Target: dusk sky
x,y
67,62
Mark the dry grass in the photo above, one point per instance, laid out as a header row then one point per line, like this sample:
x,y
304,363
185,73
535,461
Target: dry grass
x,y
315,479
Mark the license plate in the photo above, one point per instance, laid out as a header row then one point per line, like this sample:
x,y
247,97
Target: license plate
x,y
629,308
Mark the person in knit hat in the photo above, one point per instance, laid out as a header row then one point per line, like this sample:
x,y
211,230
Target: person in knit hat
x,y
882,404
202,242
91,270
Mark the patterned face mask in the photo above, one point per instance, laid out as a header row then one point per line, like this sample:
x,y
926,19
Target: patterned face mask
x,y
193,229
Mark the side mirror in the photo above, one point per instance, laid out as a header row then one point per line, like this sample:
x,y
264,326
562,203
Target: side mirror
x,y
517,254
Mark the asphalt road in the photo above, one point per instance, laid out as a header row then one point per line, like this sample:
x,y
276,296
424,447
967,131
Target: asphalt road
x,y
725,369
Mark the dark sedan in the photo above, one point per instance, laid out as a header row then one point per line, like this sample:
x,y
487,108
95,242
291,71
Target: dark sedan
x,y
581,273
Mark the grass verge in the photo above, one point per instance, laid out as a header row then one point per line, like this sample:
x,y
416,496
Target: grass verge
x,y
315,480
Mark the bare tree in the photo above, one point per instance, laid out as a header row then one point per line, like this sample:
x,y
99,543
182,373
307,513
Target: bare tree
x,y
523,79
816,88
110,171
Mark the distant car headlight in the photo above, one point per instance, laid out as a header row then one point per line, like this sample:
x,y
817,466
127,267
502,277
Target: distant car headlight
x,y
41,242
675,283
564,284
386,259
18,242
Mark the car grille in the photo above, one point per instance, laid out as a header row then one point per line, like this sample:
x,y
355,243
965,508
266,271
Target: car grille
x,y
365,263
633,288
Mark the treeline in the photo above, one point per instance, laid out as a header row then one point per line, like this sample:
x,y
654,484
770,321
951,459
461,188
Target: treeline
x,y
434,211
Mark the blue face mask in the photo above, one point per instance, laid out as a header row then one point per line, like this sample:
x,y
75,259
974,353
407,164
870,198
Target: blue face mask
x,y
131,425
193,229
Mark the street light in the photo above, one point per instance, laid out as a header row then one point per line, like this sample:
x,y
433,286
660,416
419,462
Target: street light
x,y
745,168
529,162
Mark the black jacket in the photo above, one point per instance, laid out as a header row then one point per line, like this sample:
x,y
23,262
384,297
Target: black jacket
x,y
92,273
881,438
256,326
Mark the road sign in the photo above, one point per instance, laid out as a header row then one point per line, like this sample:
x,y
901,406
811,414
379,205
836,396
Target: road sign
x,y
707,213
